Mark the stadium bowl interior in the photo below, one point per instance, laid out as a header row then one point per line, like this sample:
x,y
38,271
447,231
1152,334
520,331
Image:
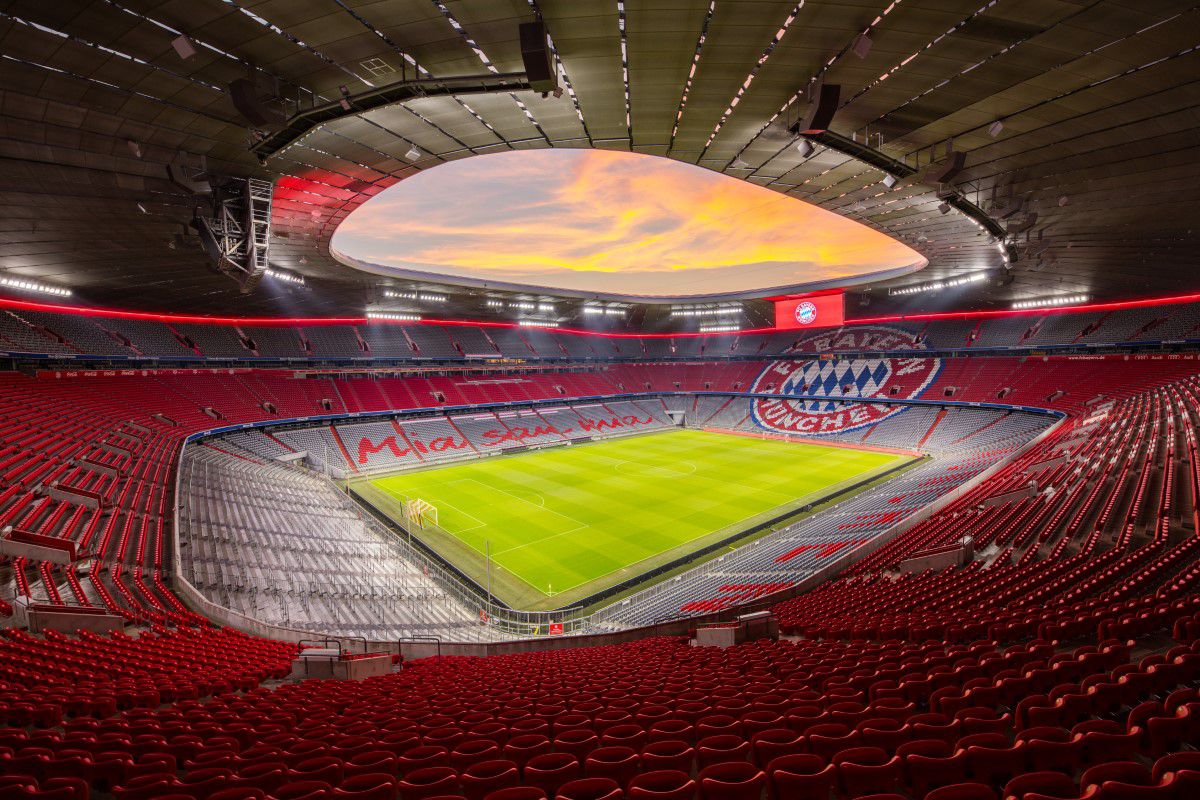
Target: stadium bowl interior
x,y
590,399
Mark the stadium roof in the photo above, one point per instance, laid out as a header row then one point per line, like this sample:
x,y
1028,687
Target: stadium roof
x,y
1095,101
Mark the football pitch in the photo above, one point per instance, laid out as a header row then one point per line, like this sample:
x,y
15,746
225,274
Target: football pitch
x,y
563,523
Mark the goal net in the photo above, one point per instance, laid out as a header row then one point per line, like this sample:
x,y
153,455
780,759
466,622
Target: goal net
x,y
421,513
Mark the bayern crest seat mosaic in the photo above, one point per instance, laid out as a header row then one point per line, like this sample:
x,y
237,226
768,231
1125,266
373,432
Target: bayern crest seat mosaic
x,y
811,379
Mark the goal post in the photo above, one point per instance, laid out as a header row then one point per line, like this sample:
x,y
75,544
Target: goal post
x,y
421,513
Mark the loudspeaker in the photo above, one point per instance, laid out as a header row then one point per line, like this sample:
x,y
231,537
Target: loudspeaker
x,y
183,47
188,176
946,171
535,55
1005,207
820,112
861,46
245,99
1023,225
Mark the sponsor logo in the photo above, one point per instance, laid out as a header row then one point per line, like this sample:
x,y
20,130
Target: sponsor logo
x,y
841,382
806,313
439,444
493,437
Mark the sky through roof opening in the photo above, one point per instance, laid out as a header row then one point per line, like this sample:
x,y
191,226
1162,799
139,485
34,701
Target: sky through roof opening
x,y
609,223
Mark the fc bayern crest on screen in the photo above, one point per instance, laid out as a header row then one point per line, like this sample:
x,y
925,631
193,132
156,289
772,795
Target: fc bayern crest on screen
x,y
841,378
806,313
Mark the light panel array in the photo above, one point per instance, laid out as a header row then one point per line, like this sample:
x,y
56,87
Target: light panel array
x,y
422,296
1051,302
705,311
719,328
285,276
758,65
609,311
625,66
393,315
687,86
937,286
34,286
544,305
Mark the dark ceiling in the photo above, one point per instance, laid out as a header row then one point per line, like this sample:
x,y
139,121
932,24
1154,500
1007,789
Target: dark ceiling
x,y
1097,103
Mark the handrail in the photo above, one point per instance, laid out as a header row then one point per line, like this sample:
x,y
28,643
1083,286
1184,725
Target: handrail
x,y
521,622
323,642
326,642
362,639
416,638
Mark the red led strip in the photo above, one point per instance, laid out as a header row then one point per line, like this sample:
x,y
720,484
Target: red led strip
x,y
26,305
1024,312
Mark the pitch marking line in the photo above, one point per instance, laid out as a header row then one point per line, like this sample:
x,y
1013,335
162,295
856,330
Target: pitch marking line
x,y
656,470
633,566
478,523
543,540
617,463
542,507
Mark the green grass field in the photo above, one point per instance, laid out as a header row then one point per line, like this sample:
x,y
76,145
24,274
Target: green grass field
x,y
566,522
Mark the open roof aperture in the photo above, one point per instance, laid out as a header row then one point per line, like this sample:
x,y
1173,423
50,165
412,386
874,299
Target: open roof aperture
x,y
609,223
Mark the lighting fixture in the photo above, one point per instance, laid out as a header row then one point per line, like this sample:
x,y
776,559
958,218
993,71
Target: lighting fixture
x,y
422,296
413,153
719,328
34,286
1050,302
936,286
704,311
285,276
610,311
393,316
536,323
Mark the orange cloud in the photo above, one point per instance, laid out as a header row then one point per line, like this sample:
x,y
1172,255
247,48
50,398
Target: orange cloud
x,y
609,222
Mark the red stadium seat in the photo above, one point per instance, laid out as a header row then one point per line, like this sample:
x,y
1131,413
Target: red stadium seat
x,y
428,782
668,754
665,784
484,777
517,793
1053,784
590,789
803,776
732,780
549,771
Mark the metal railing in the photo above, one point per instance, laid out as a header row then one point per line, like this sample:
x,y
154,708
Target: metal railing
x,y
503,623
